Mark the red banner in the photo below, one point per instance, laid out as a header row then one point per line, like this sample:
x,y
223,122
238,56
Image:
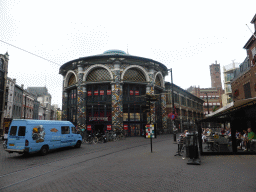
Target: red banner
x,y
101,92
96,92
89,127
137,93
109,127
89,93
125,127
131,92
108,92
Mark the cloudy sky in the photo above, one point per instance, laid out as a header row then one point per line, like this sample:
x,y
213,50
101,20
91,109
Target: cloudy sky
x,y
186,36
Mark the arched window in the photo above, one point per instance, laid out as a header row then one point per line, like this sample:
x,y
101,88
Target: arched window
x,y
158,82
72,80
134,75
99,74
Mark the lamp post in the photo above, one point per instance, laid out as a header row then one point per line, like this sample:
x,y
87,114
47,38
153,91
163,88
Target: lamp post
x,y
173,111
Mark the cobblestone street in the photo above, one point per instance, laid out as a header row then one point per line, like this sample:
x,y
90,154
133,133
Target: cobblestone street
x,y
126,165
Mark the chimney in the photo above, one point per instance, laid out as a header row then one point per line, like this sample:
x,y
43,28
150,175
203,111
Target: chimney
x,y
14,80
22,86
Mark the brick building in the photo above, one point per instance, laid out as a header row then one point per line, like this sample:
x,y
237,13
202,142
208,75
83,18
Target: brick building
x,y
244,82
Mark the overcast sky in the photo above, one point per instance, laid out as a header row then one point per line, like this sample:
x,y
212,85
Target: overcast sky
x,y
186,36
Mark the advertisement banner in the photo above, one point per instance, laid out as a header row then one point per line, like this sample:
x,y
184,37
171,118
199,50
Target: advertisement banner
x,y
89,127
137,93
101,92
125,127
109,127
89,93
131,92
108,92
96,92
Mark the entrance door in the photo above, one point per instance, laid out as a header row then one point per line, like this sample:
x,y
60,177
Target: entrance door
x,y
135,129
99,128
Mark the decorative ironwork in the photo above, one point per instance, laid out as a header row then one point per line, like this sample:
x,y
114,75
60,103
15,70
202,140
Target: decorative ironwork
x,y
72,80
134,75
158,82
99,74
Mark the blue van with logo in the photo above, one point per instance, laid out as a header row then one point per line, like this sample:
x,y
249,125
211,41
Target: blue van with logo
x,y
30,136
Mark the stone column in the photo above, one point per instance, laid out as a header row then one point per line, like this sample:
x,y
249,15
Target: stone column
x,y
117,98
64,115
164,113
81,113
150,91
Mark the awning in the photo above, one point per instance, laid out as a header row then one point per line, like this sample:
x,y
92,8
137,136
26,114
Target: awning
x,y
229,108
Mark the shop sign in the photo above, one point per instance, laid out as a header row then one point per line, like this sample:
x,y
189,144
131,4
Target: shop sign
x,y
89,93
125,127
98,118
108,92
96,92
89,127
131,92
108,127
137,93
101,92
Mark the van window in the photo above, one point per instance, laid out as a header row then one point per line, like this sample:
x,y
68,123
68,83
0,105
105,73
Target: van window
x,y
13,130
22,131
73,130
65,130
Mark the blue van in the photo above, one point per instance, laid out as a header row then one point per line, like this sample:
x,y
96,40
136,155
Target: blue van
x,y
30,136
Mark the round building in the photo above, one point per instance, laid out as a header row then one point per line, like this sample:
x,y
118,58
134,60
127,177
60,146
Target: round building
x,y
107,92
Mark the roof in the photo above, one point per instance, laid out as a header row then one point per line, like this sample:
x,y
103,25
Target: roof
x,y
113,53
38,91
253,19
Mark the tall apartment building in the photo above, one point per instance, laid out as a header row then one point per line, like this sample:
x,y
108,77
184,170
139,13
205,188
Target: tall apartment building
x,y
229,74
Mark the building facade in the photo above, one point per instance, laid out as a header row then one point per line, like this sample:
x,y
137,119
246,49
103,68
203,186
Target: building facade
x,y
17,102
44,98
229,74
8,109
244,82
188,107
107,92
4,59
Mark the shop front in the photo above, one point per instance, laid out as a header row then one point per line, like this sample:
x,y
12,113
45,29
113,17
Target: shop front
x,y
232,130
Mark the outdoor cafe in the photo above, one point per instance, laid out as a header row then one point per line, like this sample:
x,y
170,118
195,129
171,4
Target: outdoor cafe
x,y
229,130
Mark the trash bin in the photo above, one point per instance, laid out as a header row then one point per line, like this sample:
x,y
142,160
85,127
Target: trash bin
x,y
192,149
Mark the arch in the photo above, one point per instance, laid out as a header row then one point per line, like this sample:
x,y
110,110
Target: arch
x,y
67,77
136,67
161,78
87,72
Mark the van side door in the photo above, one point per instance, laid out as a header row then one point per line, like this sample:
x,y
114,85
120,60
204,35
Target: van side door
x,y
65,136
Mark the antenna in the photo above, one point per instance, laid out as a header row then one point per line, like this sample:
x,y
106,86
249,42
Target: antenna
x,y
251,31
127,50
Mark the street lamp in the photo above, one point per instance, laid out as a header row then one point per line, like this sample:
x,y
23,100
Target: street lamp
x,y
173,111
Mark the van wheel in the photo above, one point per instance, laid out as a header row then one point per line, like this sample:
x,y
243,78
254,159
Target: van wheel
x,y
78,144
44,150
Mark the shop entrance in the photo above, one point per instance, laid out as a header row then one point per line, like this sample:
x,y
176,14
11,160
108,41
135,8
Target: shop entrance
x,y
135,129
99,128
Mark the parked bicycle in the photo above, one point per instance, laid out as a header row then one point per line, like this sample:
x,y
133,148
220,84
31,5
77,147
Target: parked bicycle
x,y
120,135
111,136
